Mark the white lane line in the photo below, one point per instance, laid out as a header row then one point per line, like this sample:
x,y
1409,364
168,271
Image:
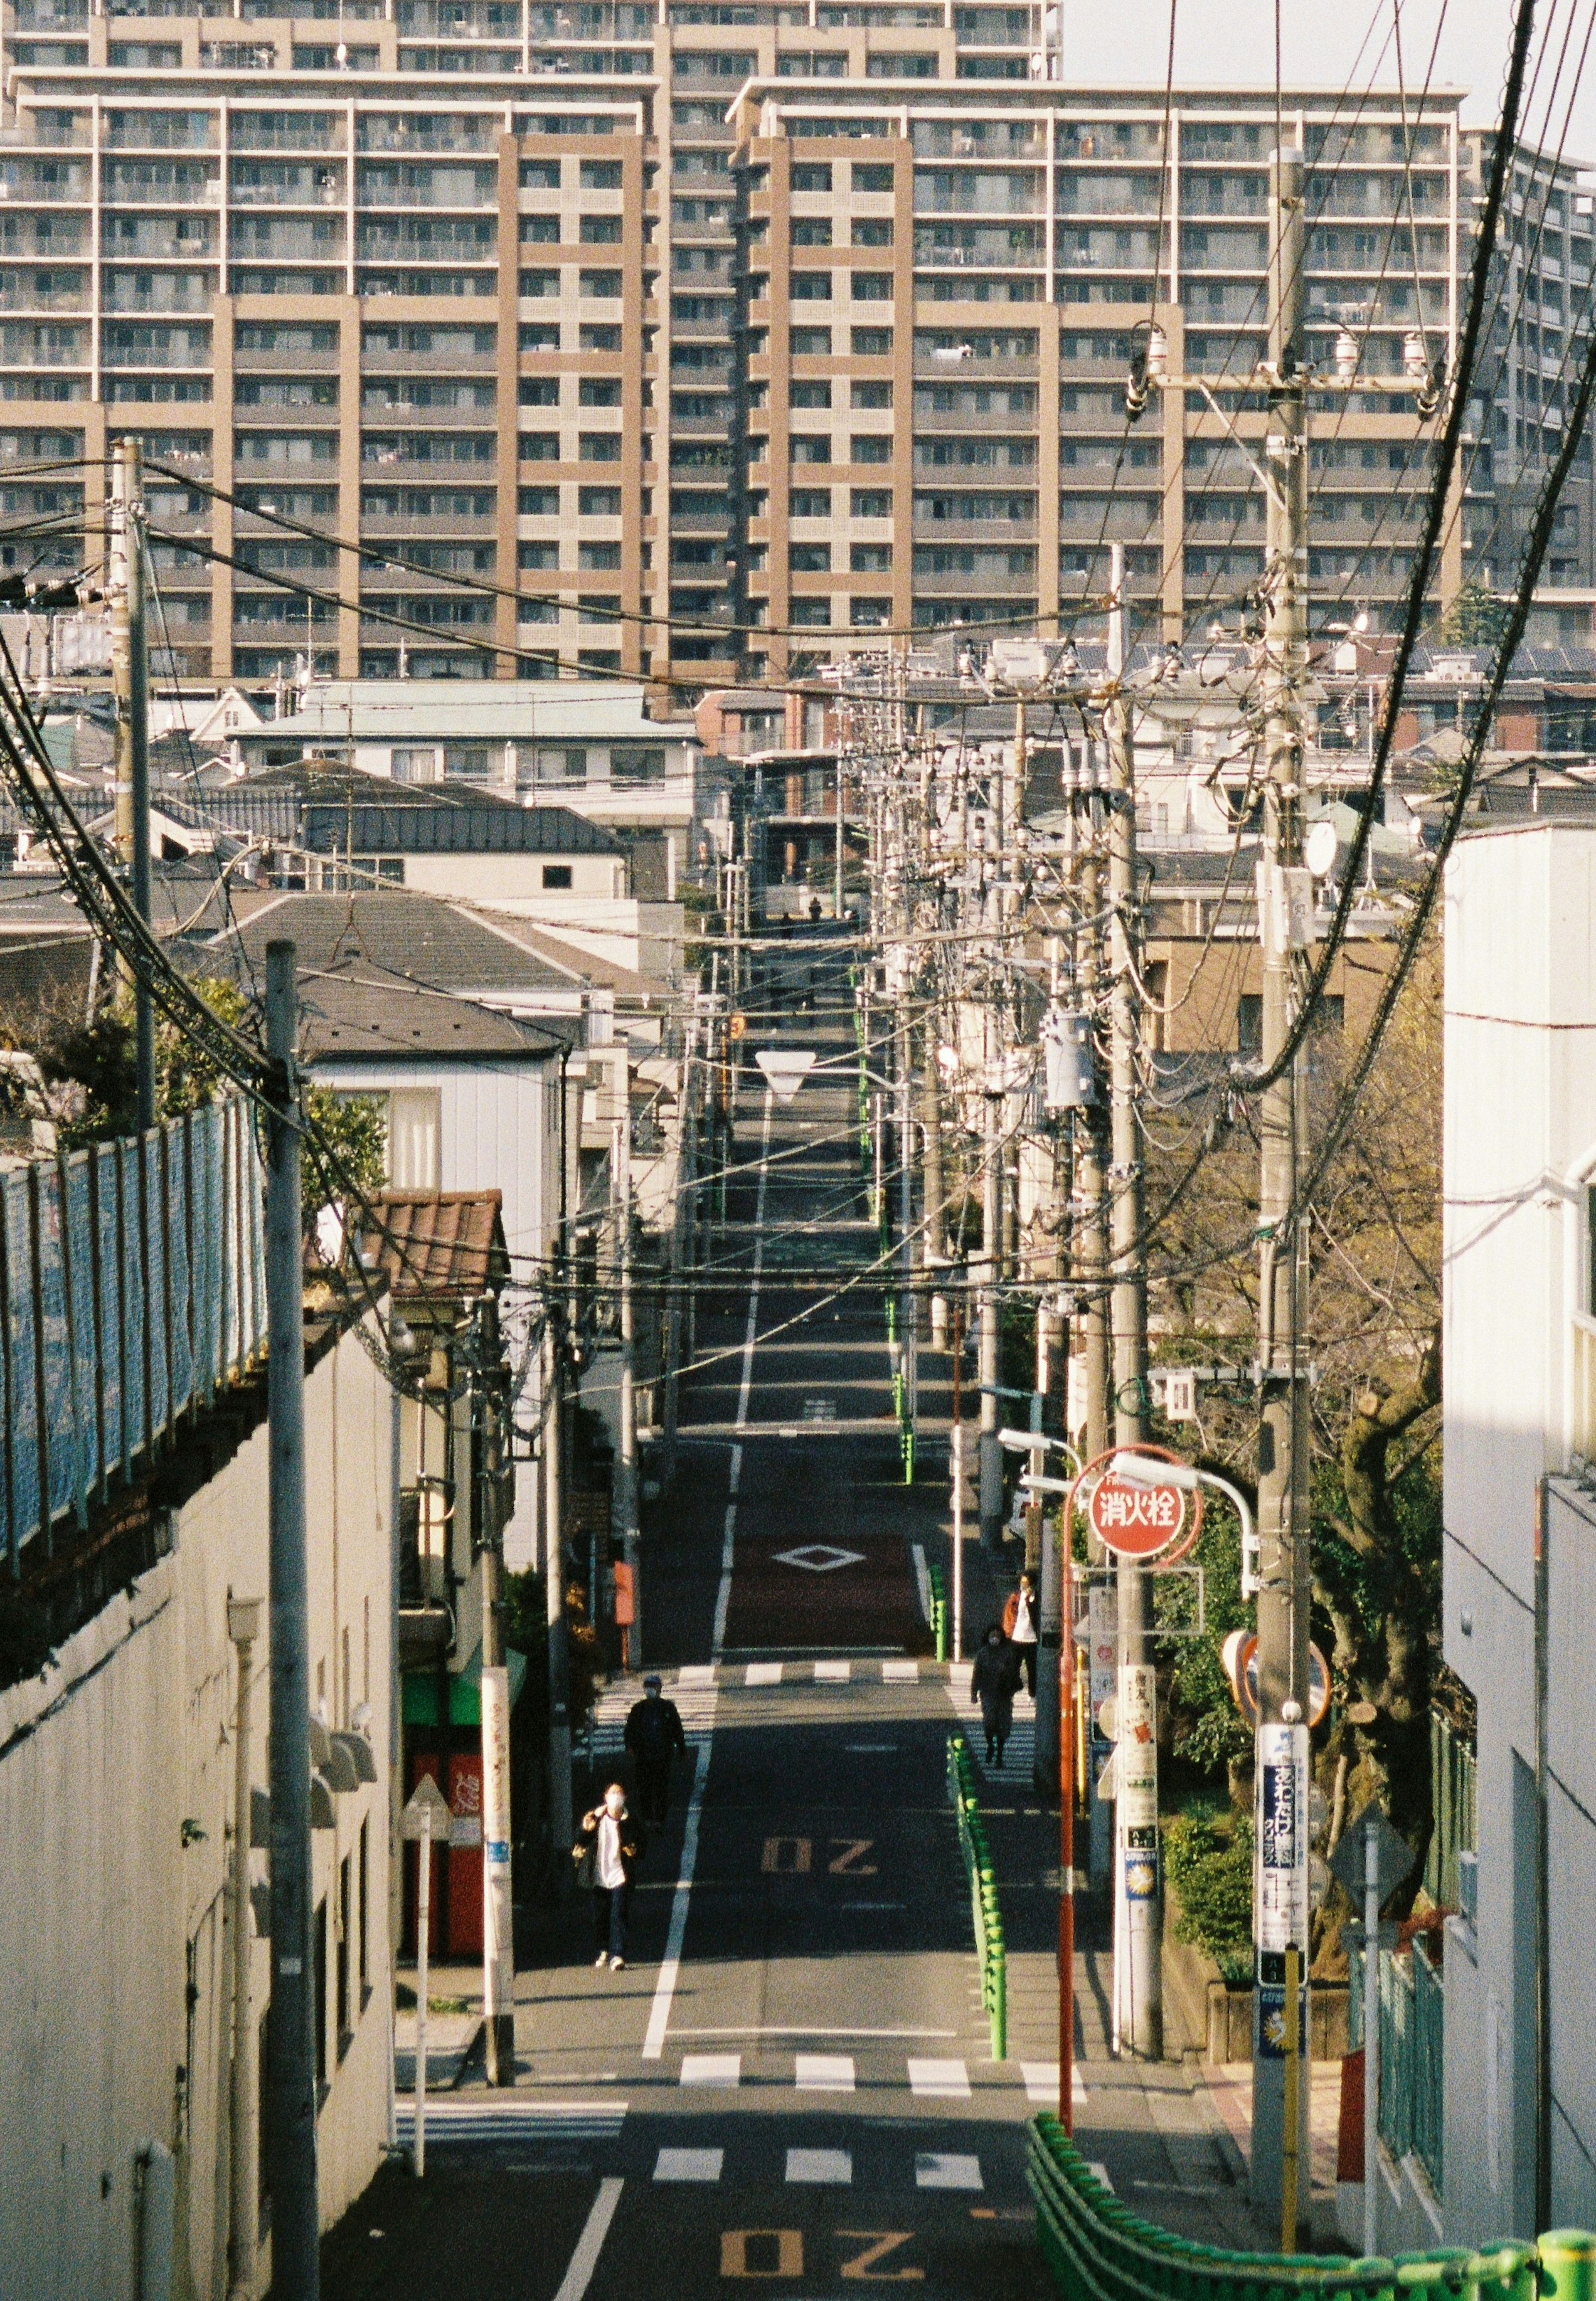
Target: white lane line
x,y
764,1673
1041,2084
710,2068
590,2244
664,1989
689,2165
945,2080
659,2013
833,1673
824,2073
942,2169
822,2168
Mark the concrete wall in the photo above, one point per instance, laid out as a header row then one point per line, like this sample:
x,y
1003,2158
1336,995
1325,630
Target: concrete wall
x,y
1520,1137
121,1750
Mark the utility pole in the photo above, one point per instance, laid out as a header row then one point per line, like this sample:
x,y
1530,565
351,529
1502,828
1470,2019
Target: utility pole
x,y
1284,1595
290,2108
130,685
499,1939
990,1455
1091,1252
1139,1996
562,1822
626,1465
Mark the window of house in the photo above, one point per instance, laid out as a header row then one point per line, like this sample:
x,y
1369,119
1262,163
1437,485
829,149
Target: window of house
x,y
320,2016
414,763
557,876
1250,1024
345,1912
414,1129
573,767
365,1937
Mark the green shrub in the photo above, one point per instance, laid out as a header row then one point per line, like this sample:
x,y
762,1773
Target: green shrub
x,y
1208,1858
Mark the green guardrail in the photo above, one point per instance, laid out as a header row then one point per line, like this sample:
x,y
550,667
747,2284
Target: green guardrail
x,y
983,1894
939,1609
1096,2249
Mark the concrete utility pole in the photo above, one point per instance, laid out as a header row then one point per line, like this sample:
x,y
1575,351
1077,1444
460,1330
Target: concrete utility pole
x,y
130,686
290,2108
243,1628
1284,1597
499,1939
1138,1978
1091,1252
990,1455
626,1465
562,1822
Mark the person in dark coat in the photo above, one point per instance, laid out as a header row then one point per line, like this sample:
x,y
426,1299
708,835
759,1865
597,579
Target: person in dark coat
x,y
606,1855
654,1737
993,1683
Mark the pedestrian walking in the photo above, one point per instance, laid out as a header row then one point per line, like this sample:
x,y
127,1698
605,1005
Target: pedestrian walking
x,y
1019,1628
654,1737
992,1682
607,1856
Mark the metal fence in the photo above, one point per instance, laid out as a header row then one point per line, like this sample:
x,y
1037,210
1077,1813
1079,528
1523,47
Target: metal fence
x,y
1452,1768
132,1281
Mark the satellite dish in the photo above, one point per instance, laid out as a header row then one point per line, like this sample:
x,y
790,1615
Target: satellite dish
x,y
1320,847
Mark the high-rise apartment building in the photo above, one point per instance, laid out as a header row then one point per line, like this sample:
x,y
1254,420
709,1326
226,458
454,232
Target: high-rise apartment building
x,y
1541,315
696,339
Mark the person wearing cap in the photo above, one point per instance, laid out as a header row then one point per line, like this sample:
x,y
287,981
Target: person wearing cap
x,y
654,1737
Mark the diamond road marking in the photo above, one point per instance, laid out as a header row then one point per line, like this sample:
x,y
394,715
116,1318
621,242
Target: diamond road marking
x,y
833,2168
711,2069
833,1673
820,1558
1041,2084
764,1673
950,2080
940,2169
690,2165
825,2073
696,1673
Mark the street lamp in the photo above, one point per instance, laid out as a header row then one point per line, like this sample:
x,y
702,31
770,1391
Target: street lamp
x,y
1149,1470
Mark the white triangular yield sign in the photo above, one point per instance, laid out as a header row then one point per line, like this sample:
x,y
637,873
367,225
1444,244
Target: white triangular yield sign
x,y
785,1069
426,1797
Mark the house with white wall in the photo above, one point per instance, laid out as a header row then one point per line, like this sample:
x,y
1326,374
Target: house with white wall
x,y
1520,1523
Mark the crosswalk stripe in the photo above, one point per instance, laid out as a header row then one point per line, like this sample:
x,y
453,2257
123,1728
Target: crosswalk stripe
x,y
501,2119
833,1673
824,2073
695,1674
946,2080
764,1673
1019,1753
822,2168
942,2169
689,2165
894,1672
696,1702
710,2068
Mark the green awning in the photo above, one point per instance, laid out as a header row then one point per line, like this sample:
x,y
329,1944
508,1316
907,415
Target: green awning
x,y
466,1690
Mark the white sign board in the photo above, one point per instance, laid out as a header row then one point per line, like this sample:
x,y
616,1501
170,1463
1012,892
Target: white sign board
x,y
427,1813
1282,1835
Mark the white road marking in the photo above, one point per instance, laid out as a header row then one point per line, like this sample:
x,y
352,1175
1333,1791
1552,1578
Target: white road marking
x,y
946,2080
502,2117
659,2013
824,2073
806,2029
833,1673
894,1673
1100,2173
870,1749
584,2261
664,1989
689,2165
828,2168
941,2169
764,1673
710,2068
696,1673
1041,2084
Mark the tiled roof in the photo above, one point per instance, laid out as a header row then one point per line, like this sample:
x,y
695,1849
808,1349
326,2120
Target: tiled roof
x,y
438,1245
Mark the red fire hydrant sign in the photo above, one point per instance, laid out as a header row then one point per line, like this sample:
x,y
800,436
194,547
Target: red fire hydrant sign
x,y
1136,1521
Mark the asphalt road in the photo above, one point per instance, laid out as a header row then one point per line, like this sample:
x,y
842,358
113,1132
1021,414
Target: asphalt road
x,y
789,2087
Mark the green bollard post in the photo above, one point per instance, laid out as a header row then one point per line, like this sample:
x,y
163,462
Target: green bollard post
x,y
1568,2265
